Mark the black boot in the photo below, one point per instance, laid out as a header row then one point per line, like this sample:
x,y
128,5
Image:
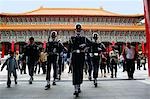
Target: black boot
x,y
144,68
54,83
79,90
47,87
90,78
112,76
95,82
25,72
15,81
8,86
30,80
115,75
132,78
76,93
59,77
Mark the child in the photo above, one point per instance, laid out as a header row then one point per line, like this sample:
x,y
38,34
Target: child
x,y
11,68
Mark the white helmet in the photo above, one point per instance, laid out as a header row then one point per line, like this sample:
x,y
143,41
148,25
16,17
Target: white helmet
x,y
95,35
54,34
78,27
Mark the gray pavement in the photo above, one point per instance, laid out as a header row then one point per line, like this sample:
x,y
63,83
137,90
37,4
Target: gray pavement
x,y
118,88
123,89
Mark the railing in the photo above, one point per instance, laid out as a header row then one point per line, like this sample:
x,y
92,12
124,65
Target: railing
x,y
97,23
66,38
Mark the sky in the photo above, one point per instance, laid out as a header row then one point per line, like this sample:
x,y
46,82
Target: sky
x,y
116,6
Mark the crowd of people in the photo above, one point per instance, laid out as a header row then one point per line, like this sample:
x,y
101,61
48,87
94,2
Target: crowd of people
x,y
81,55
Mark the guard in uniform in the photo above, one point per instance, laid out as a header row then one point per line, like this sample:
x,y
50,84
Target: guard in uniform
x,y
77,47
53,50
31,56
95,51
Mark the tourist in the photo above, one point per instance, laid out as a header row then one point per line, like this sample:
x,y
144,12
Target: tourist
x,y
114,56
130,60
103,64
43,60
12,65
31,56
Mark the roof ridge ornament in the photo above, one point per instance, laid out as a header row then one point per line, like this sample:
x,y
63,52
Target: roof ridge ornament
x,y
101,8
41,7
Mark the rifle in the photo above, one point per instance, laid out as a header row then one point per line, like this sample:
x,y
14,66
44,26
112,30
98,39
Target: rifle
x,y
48,37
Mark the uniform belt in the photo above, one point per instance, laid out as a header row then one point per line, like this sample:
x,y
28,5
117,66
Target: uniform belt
x,y
95,54
77,51
51,53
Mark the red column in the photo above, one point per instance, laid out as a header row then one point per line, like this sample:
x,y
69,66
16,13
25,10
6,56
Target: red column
x,y
136,47
123,48
12,46
107,49
143,47
3,50
113,43
146,49
110,48
44,44
147,25
17,47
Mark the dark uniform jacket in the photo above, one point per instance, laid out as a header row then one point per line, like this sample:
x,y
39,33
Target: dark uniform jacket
x,y
54,48
32,52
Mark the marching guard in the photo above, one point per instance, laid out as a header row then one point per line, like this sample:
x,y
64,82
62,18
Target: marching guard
x,y
77,47
53,50
95,52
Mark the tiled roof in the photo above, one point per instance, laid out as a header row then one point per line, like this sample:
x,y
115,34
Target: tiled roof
x,y
70,27
70,11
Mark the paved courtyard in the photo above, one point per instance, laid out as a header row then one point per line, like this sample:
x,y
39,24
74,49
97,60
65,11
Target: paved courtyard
x,y
122,89
118,88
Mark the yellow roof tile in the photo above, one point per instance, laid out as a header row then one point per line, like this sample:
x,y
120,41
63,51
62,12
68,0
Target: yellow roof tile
x,y
70,27
71,11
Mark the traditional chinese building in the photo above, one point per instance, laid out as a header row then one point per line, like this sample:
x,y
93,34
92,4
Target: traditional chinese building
x,y
16,28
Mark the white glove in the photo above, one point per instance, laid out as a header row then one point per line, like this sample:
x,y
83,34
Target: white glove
x,y
82,45
99,49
